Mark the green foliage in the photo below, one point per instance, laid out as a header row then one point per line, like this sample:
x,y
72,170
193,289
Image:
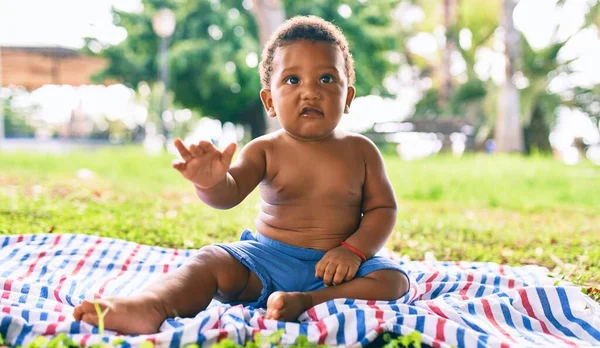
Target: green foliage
x,y
473,90
372,33
592,292
428,106
15,119
414,339
198,76
272,340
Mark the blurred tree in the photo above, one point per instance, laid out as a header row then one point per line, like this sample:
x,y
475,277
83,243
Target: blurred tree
x,y
508,129
482,102
16,124
448,49
477,22
215,51
588,100
472,30
537,102
268,14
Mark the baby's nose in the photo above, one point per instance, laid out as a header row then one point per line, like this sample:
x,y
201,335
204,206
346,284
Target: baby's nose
x,y
311,92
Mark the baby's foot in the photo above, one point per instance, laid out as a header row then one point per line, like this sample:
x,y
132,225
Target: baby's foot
x,y
127,315
287,306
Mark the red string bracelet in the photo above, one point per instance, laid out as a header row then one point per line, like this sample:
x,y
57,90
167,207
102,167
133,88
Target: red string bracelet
x,y
352,249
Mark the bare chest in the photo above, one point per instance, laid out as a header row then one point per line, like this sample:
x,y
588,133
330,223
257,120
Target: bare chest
x,y
315,178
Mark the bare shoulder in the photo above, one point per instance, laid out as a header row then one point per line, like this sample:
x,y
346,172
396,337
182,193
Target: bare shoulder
x,y
258,146
358,142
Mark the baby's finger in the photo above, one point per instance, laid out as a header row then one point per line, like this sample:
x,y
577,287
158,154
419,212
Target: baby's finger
x,y
77,313
90,318
183,151
340,274
351,273
179,165
206,146
196,151
320,269
329,273
227,154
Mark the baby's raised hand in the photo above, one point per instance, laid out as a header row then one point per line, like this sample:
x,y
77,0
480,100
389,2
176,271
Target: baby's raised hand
x,y
338,265
203,164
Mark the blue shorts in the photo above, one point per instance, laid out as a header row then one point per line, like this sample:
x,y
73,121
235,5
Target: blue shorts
x,y
284,267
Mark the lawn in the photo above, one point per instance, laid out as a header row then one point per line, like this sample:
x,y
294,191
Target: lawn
x,y
507,209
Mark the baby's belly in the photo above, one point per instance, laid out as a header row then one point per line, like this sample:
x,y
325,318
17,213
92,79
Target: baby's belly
x,y
320,227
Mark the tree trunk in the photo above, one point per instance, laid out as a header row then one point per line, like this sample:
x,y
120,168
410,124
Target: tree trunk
x,y
450,12
537,134
269,14
508,131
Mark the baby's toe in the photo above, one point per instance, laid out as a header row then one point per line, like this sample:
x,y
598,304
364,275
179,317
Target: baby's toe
x,y
90,318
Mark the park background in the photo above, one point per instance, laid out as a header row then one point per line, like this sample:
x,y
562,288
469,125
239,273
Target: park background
x,y
487,113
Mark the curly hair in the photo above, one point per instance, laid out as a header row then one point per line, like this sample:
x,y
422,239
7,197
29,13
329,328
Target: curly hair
x,y
311,28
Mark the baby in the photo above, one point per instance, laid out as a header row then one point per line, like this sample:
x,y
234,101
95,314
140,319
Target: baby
x,y
327,204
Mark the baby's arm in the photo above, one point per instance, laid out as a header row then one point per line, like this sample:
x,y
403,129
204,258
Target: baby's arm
x,y
239,180
378,206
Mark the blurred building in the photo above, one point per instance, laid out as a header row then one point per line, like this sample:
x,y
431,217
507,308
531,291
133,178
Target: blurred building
x,y
33,67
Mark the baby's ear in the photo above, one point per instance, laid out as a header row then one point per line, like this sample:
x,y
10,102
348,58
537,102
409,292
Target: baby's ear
x,y
267,100
349,98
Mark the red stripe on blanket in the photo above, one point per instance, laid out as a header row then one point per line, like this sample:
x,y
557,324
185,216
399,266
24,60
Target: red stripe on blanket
x,y
378,316
261,323
40,256
487,309
322,331
7,288
511,283
531,313
84,340
439,330
222,335
435,309
470,278
312,314
123,269
166,267
32,266
51,329
428,284
77,269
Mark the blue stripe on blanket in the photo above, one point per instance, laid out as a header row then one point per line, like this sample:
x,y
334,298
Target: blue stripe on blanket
x,y
463,304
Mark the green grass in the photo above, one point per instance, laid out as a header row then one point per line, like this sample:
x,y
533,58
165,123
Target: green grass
x,y
508,209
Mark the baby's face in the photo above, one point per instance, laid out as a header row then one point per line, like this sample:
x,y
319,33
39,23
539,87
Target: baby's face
x,y
309,89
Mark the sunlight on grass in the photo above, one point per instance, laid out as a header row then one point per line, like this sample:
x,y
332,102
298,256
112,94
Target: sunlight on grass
x,y
507,209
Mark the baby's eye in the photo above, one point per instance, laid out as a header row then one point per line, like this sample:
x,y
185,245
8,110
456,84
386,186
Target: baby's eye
x,y
292,80
326,79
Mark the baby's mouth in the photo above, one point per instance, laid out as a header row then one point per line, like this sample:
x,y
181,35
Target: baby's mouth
x,y
308,111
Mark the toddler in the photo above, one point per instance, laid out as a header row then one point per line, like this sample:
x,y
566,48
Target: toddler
x,y
327,205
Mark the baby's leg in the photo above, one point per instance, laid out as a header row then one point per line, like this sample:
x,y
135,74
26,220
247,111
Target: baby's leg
x,y
184,292
382,285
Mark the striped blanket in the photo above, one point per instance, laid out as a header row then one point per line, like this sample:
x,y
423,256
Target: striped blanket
x,y
464,304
